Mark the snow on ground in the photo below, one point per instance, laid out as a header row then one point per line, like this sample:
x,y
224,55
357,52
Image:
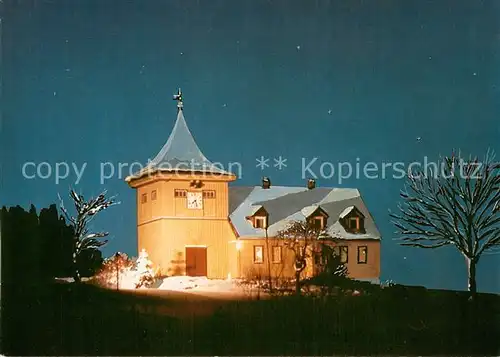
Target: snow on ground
x,y
201,284
187,284
127,280
69,280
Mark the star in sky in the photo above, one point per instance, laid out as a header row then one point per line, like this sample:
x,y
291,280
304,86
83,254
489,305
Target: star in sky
x,y
348,60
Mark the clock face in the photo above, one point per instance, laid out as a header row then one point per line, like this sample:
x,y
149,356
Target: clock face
x,y
194,200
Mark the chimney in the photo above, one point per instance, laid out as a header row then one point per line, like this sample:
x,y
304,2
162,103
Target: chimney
x,y
266,183
311,183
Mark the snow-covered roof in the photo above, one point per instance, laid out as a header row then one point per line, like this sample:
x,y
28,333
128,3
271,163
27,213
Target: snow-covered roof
x,y
254,209
287,204
180,154
307,211
346,211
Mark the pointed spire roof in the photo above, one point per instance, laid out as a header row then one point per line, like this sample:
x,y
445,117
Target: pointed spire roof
x,y
180,153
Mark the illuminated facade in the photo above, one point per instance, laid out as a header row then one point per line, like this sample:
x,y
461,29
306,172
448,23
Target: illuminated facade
x,y
192,222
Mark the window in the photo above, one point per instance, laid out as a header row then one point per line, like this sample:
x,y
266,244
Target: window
x,y
277,254
208,194
258,254
362,254
260,222
180,193
343,252
354,223
317,222
153,195
144,198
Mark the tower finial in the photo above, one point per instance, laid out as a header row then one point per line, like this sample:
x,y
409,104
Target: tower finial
x,y
178,98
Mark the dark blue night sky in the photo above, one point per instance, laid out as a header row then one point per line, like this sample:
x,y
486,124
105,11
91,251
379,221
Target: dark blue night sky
x,y
91,82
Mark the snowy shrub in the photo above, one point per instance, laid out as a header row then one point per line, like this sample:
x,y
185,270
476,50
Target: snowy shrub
x,y
144,273
122,272
115,271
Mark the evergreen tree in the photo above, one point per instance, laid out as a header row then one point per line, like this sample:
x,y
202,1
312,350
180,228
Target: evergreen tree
x,y
56,242
144,269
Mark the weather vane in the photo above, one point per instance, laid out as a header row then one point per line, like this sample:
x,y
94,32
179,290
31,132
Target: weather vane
x,y
178,98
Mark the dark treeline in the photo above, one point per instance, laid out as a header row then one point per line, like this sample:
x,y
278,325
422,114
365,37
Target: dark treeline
x,y
40,317
38,247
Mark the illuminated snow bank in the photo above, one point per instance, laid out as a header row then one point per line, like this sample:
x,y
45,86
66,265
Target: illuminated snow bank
x,y
191,283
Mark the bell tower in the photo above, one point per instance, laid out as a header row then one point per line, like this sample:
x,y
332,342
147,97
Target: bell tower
x,y
182,204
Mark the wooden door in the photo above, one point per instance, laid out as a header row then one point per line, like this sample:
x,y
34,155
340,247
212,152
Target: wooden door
x,y
196,261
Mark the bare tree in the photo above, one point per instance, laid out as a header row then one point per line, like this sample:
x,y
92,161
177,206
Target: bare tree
x,y
269,276
83,239
458,206
301,237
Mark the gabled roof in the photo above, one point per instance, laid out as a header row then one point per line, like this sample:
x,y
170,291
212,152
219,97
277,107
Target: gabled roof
x,y
286,204
237,195
281,207
180,154
335,208
310,210
254,209
349,210
252,195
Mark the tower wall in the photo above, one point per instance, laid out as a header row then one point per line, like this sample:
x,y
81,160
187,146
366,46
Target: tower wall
x,y
165,225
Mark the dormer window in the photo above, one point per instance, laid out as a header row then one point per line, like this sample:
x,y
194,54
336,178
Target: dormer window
x,y
260,222
353,220
258,217
318,222
316,217
354,223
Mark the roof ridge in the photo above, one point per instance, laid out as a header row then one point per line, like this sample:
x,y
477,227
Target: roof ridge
x,y
294,193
